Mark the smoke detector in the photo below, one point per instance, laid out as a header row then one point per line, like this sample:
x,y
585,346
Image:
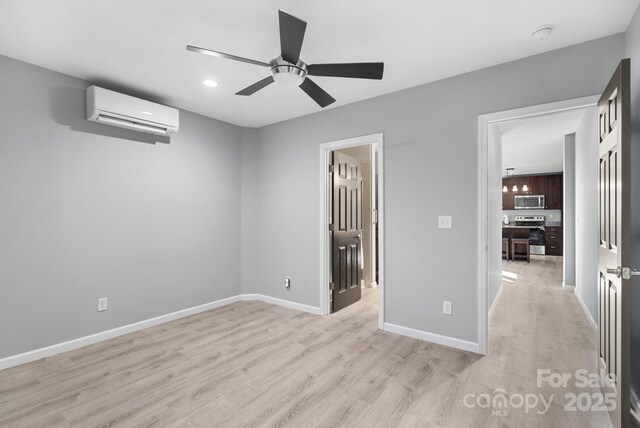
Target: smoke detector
x,y
542,32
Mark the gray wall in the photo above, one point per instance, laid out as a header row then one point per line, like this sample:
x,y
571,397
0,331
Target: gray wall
x,y
632,51
430,143
250,152
569,211
586,219
92,211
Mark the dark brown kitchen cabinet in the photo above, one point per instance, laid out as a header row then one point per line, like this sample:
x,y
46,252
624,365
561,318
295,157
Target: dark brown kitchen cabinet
x,y
549,185
553,191
537,185
507,197
553,241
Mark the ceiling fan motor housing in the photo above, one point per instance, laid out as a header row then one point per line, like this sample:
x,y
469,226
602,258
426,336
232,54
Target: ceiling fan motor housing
x,y
286,73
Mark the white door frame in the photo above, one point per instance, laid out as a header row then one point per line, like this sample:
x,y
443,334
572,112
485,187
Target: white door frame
x,y
486,212
376,141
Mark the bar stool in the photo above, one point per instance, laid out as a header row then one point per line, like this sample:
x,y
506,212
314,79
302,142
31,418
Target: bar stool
x,y
505,248
514,245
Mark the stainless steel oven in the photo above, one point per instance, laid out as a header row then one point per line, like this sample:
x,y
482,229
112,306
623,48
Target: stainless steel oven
x,y
535,223
529,202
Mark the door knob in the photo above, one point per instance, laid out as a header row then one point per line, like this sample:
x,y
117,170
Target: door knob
x,y
615,271
628,273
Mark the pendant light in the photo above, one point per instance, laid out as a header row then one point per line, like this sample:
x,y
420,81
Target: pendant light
x,y
510,172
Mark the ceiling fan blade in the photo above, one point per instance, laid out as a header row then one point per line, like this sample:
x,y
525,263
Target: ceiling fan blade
x,y
291,36
225,55
357,70
317,93
256,86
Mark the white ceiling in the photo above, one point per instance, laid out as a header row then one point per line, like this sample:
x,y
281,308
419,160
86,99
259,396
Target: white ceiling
x,y
139,46
535,145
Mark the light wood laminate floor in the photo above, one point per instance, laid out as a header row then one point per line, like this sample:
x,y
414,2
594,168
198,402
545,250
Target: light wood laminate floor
x,y
254,364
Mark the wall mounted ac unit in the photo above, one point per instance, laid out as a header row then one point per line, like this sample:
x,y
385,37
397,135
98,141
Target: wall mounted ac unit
x,y
124,111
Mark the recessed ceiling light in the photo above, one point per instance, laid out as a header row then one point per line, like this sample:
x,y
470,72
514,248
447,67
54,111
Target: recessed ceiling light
x,y
210,83
147,113
542,32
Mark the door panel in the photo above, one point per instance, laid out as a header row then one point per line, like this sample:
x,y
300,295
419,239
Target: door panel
x,y
614,241
346,235
342,208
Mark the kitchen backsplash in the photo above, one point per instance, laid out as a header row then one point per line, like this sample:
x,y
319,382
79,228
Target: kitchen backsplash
x,y
550,216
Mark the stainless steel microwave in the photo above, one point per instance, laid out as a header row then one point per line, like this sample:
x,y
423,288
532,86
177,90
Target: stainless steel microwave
x,y
529,202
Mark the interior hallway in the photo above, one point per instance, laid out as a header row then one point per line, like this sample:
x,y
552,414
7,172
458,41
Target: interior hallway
x,y
255,364
536,324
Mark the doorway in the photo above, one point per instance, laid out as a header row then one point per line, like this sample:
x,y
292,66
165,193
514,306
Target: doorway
x,y
539,166
490,200
360,236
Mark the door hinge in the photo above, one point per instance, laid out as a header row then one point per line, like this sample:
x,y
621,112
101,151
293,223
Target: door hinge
x,y
330,168
374,216
332,286
331,227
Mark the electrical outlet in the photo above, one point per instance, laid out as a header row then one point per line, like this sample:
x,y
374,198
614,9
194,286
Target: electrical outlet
x,y
447,308
102,304
287,282
444,222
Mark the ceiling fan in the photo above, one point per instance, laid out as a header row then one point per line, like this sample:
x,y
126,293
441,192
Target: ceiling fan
x,y
288,70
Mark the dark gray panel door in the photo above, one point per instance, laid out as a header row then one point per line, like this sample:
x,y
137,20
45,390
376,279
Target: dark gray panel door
x,y
346,235
615,241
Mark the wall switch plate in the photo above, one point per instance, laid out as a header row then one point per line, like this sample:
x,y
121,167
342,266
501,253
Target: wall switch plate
x,y
287,282
102,304
444,222
446,308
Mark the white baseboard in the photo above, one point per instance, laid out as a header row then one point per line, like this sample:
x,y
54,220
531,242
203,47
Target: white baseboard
x,y
568,287
432,337
593,323
495,300
48,351
281,302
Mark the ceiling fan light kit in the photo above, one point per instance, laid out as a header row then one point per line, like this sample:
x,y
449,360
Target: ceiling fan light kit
x,y
288,70
288,74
